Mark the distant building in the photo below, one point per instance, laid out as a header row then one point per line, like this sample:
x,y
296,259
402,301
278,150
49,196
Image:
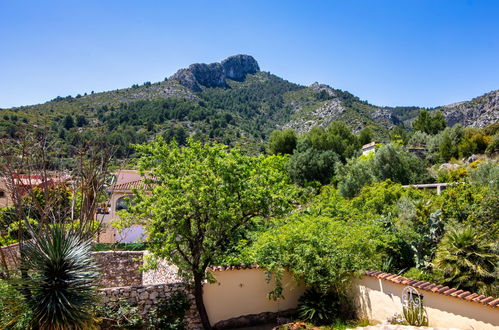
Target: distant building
x,y
21,184
418,151
120,197
368,148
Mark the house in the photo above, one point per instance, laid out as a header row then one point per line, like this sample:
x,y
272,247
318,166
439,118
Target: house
x,y
368,148
120,196
21,184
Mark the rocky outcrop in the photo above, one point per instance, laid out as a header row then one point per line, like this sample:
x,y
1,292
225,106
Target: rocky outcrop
x,y
238,66
200,75
479,112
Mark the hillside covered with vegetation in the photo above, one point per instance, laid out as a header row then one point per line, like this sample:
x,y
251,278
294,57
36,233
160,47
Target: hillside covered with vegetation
x,y
241,111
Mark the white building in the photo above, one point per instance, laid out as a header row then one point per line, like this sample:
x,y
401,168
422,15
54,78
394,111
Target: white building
x,y
368,148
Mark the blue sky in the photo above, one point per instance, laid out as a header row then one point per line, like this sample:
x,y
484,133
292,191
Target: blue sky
x,y
421,52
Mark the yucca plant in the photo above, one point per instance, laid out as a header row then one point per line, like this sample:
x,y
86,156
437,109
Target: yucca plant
x,y
467,260
60,288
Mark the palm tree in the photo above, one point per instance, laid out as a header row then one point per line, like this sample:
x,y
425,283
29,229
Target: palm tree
x,y
467,260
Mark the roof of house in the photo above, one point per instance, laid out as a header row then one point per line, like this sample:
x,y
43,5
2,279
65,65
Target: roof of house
x,y
369,145
435,288
127,186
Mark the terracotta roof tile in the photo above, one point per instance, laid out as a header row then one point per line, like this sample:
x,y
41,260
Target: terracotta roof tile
x,y
464,294
448,292
458,292
494,302
487,300
471,296
436,288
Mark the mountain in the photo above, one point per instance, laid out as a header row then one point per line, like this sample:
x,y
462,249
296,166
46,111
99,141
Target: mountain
x,y
479,112
232,102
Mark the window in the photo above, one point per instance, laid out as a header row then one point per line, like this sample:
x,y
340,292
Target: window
x,y
2,194
123,203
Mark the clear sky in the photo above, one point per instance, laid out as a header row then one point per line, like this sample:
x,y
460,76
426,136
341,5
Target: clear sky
x,y
420,52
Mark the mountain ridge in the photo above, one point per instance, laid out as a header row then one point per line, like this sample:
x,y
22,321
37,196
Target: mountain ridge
x,y
231,102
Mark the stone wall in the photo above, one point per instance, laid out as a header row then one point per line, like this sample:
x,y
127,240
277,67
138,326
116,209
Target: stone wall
x,y
119,268
164,273
145,297
9,257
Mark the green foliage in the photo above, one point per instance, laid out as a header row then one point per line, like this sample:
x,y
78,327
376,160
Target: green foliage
x,y
415,314
320,308
354,175
428,123
119,246
394,163
310,164
282,142
449,142
468,260
168,314
14,312
68,122
486,174
202,196
119,315
321,251
60,289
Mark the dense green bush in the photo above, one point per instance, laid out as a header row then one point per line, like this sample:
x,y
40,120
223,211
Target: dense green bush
x,y
282,142
119,315
322,308
169,313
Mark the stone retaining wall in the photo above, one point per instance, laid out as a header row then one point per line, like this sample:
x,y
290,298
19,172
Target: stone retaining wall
x,y
145,297
119,268
9,256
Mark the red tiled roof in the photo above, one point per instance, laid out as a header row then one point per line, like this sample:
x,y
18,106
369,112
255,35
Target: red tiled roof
x,y
435,288
242,266
127,186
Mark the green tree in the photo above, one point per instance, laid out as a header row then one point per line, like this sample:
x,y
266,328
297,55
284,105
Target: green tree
x,y
322,251
202,196
354,175
430,124
394,163
365,135
467,260
68,122
81,121
282,142
310,164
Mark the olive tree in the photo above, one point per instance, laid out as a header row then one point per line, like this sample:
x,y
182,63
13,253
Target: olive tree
x,y
199,197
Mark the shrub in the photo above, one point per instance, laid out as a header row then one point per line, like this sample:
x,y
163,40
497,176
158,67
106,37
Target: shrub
x,y
119,315
169,313
320,308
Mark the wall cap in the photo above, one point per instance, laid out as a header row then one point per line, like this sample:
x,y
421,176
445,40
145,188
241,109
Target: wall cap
x,y
435,288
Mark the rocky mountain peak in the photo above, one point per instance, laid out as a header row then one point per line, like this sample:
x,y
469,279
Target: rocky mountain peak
x,y
201,75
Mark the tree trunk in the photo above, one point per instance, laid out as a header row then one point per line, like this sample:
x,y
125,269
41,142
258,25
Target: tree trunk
x,y
198,297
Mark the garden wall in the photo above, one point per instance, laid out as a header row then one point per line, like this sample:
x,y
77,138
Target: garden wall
x,y
145,297
119,268
240,292
379,296
9,256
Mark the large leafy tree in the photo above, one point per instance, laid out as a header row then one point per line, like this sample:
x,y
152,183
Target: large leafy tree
x,y
201,196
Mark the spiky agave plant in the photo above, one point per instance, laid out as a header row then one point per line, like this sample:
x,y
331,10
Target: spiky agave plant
x,y
60,288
